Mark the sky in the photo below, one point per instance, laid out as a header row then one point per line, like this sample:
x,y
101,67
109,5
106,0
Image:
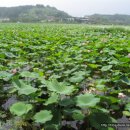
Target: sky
x,y
78,7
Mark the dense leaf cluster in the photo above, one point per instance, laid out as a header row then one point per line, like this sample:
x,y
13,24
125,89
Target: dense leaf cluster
x,y
57,77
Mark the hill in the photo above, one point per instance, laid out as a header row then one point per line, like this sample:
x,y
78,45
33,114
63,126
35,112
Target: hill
x,y
41,13
31,13
109,19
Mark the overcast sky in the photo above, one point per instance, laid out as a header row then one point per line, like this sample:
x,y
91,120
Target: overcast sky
x,y
78,7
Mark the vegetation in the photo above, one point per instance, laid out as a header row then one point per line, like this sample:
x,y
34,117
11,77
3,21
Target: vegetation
x,y
109,19
29,13
63,77
41,13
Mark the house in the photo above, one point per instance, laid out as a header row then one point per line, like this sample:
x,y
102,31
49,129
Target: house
x,y
4,19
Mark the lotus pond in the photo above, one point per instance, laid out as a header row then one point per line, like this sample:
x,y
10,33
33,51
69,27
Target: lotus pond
x,y
63,77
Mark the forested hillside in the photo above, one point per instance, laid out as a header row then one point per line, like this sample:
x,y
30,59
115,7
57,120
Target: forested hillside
x,y
31,13
109,19
41,13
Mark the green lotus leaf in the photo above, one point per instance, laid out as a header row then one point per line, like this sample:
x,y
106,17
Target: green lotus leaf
x,y
20,108
79,73
76,78
106,68
126,113
125,80
29,74
67,102
94,66
53,99
127,107
100,87
23,88
28,90
98,118
59,87
5,75
87,100
43,116
78,115
115,107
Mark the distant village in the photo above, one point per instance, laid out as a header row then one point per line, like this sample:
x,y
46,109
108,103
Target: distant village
x,y
54,19
92,19
78,19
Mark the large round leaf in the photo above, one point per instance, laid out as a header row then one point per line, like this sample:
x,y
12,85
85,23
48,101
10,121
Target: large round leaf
x,y
29,74
20,108
43,116
5,75
87,100
27,90
60,88
76,78
24,88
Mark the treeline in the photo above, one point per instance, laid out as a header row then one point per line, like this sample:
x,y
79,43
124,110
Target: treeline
x,y
109,19
41,13
31,13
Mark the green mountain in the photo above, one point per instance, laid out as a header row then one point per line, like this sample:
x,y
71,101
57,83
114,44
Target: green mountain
x,y
41,13
109,19
31,13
